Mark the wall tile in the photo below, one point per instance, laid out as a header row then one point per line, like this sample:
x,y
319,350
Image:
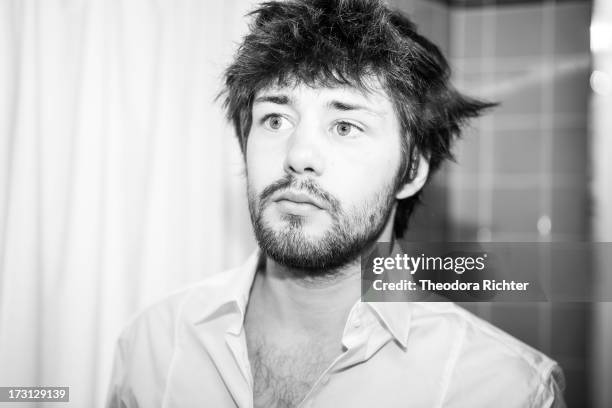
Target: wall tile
x,y
517,152
521,91
569,153
567,321
467,35
516,210
577,391
569,210
572,22
518,31
520,320
572,90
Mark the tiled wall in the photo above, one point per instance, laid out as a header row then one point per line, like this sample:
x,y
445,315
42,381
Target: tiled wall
x,y
522,171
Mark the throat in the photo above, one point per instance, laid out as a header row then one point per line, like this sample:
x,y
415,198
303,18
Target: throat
x,y
319,306
287,359
293,334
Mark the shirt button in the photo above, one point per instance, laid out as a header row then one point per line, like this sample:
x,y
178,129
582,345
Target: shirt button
x,y
356,323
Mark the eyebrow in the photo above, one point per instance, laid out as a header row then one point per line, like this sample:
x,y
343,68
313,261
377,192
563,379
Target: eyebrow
x,y
344,106
277,99
282,99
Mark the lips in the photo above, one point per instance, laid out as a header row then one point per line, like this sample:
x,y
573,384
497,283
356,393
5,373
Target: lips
x,y
299,198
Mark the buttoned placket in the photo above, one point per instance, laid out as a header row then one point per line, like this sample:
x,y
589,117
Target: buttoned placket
x,y
235,338
237,346
356,341
226,354
325,377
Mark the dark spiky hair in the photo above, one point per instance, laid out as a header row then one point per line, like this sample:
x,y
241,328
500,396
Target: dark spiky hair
x,y
345,42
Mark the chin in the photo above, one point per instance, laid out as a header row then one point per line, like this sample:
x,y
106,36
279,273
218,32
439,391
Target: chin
x,y
311,229
315,253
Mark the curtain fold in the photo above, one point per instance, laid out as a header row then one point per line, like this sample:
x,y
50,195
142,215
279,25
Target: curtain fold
x,y
119,179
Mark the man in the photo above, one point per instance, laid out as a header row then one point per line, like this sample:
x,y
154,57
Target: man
x,y
342,112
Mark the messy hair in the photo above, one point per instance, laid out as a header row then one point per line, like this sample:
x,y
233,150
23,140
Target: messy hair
x,y
346,42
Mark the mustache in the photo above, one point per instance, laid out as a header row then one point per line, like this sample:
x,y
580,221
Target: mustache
x,y
308,185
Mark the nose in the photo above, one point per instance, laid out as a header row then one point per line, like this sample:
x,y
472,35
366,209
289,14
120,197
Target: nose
x,y
304,152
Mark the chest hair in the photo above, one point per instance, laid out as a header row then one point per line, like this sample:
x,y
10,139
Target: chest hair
x,y
284,374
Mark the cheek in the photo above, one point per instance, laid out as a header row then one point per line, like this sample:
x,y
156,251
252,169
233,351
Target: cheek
x,y
263,165
376,166
361,179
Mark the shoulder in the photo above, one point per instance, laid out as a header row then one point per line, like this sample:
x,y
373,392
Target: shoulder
x,y
498,367
147,346
160,320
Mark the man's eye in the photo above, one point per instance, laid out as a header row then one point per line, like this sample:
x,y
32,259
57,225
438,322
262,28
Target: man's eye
x,y
345,128
275,122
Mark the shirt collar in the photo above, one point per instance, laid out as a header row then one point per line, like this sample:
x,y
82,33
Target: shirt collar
x,y
223,293
395,317
228,292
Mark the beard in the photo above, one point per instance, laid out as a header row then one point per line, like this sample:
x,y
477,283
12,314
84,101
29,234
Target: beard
x,y
352,230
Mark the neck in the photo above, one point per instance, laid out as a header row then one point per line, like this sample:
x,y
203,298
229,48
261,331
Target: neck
x,y
292,301
307,303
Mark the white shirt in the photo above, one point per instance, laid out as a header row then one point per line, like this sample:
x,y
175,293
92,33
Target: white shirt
x,y
190,351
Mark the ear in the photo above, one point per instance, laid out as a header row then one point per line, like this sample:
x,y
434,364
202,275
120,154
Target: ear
x,y
413,186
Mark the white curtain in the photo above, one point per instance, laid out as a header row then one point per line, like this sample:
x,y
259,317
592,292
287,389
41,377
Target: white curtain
x,y
119,179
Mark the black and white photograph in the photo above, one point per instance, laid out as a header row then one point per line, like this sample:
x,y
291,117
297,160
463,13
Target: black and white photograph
x,y
306,203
